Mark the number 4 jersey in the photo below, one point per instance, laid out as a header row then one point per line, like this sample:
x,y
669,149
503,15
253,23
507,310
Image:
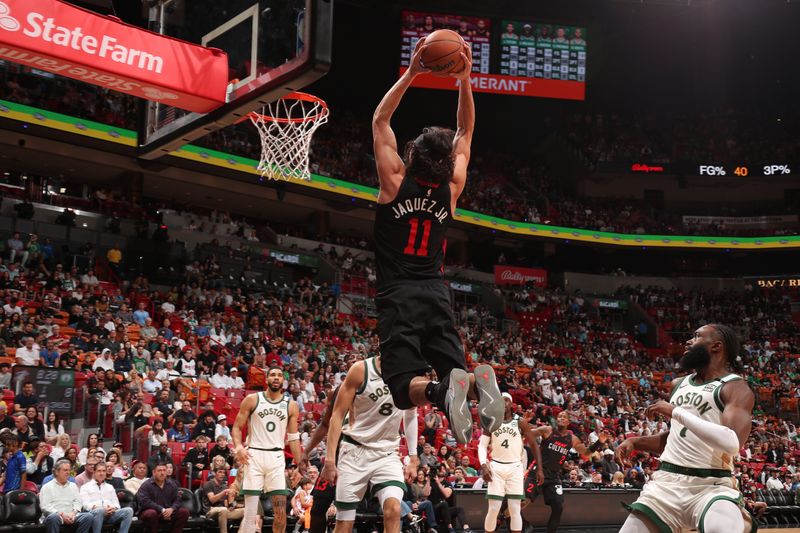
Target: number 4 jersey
x,y
373,420
410,232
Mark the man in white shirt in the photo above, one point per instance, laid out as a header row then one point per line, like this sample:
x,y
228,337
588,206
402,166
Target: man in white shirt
x,y
139,476
100,499
168,373
105,361
546,386
774,482
220,380
151,385
235,381
28,353
61,502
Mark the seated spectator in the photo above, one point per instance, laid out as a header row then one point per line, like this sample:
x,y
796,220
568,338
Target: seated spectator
x,y
157,435
105,361
6,422
39,464
62,444
28,353
235,381
151,385
186,415
54,427
222,450
139,476
93,442
206,426
90,279
27,398
197,459
119,471
88,472
220,379
216,494
162,455
5,376
100,499
160,503
222,429
179,432
32,414
61,502
23,431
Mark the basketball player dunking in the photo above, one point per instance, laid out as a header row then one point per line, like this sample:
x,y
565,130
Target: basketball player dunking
x,y
555,447
271,420
417,199
367,454
711,411
505,473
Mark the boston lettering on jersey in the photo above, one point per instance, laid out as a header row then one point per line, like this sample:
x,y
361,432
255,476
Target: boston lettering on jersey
x,y
412,205
506,430
279,412
377,394
692,399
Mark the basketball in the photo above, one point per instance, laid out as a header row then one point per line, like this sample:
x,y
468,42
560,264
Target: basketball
x,y
442,52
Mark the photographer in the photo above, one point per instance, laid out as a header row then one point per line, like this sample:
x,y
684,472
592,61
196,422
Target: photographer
x,y
441,496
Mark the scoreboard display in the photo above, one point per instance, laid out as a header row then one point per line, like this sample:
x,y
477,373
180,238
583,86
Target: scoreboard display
x,y
524,58
543,51
474,30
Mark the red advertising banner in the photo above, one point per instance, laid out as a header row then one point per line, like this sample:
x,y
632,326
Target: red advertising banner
x,y
514,275
500,84
69,41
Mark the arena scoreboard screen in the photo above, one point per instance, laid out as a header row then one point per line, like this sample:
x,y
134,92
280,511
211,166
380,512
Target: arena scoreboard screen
x,y
523,58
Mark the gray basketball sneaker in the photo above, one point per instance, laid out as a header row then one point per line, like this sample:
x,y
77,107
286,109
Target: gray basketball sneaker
x,y
457,406
491,407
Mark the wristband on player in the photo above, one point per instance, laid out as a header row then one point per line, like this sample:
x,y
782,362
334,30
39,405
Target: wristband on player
x,y
292,436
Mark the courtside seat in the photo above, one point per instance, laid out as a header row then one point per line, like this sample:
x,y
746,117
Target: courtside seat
x,y
21,512
196,520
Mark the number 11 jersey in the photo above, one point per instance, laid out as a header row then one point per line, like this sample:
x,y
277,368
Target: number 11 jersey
x,y
410,232
373,421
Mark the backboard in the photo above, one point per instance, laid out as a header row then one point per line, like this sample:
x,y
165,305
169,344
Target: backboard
x,y
274,47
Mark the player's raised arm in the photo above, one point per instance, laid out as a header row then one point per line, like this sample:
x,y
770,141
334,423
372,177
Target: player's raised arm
x,y
245,410
586,451
465,125
344,400
411,433
389,163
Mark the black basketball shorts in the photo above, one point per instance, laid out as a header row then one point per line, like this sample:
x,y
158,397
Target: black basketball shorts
x,y
417,329
552,491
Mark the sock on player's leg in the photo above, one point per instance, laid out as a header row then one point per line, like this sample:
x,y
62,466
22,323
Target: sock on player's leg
x,y
490,522
515,515
723,516
250,518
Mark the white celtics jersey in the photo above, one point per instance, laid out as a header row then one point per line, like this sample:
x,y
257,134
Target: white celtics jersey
x,y
684,448
268,423
506,443
374,421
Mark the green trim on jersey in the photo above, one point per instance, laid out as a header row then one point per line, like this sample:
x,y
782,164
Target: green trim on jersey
x,y
718,393
675,387
346,506
649,513
363,386
515,496
250,492
266,399
737,501
279,492
375,368
390,483
495,497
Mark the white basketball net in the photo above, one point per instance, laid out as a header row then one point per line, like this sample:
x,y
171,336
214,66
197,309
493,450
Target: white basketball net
x,y
286,127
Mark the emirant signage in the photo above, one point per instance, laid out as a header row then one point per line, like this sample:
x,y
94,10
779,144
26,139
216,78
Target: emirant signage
x,y
69,41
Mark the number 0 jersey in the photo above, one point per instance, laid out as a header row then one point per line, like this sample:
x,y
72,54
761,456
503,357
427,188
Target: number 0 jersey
x,y
410,232
684,448
507,442
373,420
268,422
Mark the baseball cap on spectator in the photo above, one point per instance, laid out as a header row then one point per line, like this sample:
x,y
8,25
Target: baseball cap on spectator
x,y
608,452
220,418
234,369
507,395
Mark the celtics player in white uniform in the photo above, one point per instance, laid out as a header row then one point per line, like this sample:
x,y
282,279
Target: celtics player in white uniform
x,y
271,421
711,411
368,451
505,473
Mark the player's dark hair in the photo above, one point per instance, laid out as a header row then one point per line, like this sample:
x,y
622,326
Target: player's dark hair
x,y
274,367
730,340
429,157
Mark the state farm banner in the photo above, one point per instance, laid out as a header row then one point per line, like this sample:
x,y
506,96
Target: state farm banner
x,y
514,275
767,221
69,41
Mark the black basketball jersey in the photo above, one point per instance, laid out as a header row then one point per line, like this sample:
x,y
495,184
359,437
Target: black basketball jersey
x,y
410,233
555,449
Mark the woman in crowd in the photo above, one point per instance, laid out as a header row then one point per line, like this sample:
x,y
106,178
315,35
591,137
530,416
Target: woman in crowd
x,y
54,427
115,458
93,442
157,434
179,432
62,444
35,422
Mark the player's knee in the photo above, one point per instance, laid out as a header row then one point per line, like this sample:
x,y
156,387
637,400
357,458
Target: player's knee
x,y
399,386
391,510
